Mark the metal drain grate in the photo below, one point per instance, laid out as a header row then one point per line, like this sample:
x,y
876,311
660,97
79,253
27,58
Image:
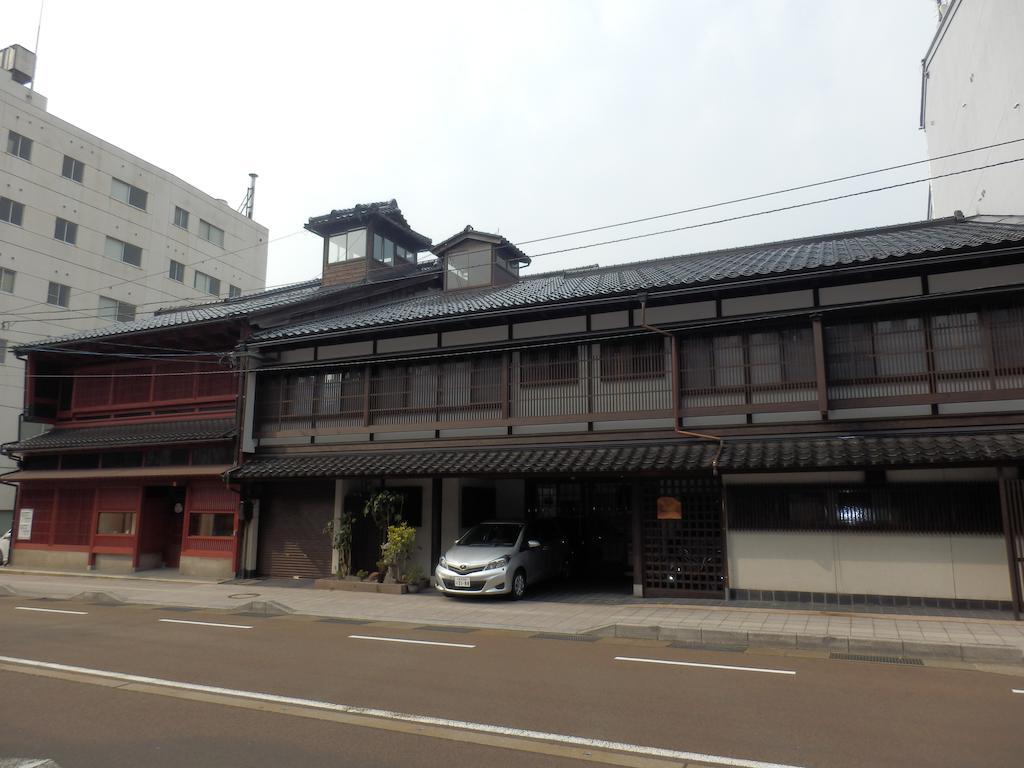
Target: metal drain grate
x,y
443,628
698,646
557,636
906,660
356,622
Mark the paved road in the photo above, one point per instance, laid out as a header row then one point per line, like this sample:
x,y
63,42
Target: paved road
x,y
154,686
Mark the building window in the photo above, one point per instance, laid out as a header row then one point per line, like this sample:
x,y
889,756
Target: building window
x,y
634,359
385,250
176,271
116,523
3,351
211,233
10,211
555,365
7,280
211,524
19,145
234,291
116,311
73,169
128,193
65,230
468,269
180,217
347,246
206,283
122,251
58,294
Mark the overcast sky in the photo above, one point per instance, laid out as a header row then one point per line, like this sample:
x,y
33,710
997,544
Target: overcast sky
x,y
527,118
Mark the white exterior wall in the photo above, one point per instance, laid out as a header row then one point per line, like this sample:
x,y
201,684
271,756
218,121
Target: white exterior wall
x,y
919,565
974,96
37,258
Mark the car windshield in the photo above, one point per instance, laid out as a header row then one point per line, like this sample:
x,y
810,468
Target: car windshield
x,y
491,535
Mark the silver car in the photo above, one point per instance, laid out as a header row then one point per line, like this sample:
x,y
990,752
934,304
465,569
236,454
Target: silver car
x,y
501,559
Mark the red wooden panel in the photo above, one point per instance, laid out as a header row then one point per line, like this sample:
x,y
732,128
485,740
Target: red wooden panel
x,y
113,498
174,381
73,518
132,384
41,501
211,497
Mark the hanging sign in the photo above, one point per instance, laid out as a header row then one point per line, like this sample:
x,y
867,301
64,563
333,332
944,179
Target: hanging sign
x,y
670,508
25,523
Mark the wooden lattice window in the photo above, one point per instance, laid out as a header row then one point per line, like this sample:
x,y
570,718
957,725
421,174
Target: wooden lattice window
x,y
633,359
552,365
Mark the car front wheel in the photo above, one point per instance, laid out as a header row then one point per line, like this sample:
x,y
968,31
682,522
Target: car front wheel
x,y
518,585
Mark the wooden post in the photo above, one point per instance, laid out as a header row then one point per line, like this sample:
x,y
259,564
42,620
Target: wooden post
x,y
1009,516
638,534
436,520
819,365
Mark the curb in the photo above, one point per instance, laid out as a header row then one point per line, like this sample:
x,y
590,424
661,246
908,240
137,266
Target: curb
x,y
712,639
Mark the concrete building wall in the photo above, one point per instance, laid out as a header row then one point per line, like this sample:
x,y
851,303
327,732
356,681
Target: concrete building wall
x,y
37,257
919,565
974,96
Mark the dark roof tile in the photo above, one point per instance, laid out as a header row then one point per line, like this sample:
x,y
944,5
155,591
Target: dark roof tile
x,y
124,435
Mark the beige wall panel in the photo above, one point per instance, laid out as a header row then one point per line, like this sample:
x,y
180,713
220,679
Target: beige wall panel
x,y
801,562
876,291
979,567
769,302
886,564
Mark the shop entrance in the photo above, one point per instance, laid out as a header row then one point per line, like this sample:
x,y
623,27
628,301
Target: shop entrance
x,y
595,519
160,533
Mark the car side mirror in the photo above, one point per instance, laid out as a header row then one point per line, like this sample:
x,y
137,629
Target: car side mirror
x,y
533,544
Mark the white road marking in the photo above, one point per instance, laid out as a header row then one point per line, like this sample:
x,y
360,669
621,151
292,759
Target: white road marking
x,y
206,624
50,610
1017,690
413,642
707,666
501,730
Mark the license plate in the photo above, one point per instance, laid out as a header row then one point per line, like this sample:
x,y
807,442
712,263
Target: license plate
x,y
462,581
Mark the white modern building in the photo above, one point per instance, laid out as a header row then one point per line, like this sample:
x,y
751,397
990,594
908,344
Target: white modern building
x,y
972,95
91,235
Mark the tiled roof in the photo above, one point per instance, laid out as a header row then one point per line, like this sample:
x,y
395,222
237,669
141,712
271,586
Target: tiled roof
x,y
342,219
854,452
873,451
863,247
523,461
194,313
118,435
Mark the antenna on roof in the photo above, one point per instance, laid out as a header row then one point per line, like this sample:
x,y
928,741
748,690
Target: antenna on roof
x,y
250,197
39,29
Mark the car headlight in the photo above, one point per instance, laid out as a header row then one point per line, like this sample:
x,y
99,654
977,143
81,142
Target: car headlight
x,y
501,562
442,562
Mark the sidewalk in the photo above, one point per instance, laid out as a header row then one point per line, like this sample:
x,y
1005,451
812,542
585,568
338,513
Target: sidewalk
x,y
967,639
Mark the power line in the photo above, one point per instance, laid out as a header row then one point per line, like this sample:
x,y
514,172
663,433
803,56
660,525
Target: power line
x,y
763,195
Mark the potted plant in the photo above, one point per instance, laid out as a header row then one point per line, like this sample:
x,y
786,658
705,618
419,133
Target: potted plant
x,y
384,507
340,534
400,543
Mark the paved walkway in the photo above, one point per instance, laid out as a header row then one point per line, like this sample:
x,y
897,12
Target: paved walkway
x,y
970,639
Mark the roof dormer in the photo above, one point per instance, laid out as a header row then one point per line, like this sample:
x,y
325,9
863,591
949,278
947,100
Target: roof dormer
x,y
368,242
473,259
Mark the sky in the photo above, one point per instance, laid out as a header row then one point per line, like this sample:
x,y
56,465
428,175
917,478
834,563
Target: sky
x,y
530,119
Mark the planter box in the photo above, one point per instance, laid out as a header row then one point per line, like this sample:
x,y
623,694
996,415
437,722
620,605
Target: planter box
x,y
361,586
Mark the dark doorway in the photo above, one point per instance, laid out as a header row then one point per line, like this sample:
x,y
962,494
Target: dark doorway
x,y
160,532
595,519
292,542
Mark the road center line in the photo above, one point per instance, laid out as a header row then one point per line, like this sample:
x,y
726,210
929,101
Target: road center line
x,y
413,642
398,717
206,624
50,610
707,666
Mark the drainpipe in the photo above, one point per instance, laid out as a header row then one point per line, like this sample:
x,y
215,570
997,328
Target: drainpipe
x,y
675,389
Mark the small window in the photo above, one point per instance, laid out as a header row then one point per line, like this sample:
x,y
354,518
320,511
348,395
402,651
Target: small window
x,y
211,233
11,212
211,524
122,251
180,217
73,169
116,523
58,294
206,283
347,246
383,250
128,193
3,351
176,271
234,291
65,230
7,280
554,365
18,145
116,311
635,359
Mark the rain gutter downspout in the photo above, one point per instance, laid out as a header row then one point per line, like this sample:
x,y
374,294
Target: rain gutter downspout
x,y
675,388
